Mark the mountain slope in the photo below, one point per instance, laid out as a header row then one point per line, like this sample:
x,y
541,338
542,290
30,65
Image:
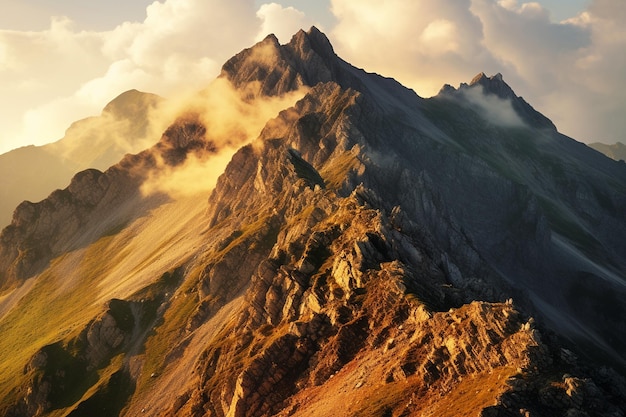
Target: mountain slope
x,y
369,253
30,173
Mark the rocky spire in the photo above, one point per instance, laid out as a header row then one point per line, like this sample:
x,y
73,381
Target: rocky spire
x,y
313,40
275,69
494,85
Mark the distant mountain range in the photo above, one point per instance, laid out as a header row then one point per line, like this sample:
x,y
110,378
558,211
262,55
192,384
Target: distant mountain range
x,y
616,151
309,239
32,172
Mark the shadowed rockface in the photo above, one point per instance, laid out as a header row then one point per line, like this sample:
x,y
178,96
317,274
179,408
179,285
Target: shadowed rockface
x,y
370,253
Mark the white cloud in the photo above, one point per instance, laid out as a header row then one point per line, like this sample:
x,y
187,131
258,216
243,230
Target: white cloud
x,y
281,21
43,67
494,109
508,4
572,71
534,10
525,39
440,37
423,46
53,77
231,119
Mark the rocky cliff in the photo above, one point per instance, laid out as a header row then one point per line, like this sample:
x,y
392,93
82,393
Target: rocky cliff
x,y
371,252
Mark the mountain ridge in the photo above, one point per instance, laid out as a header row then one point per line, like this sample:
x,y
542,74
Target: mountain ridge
x,y
364,222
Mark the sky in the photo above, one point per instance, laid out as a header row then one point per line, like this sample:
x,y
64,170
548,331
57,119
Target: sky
x,y
63,60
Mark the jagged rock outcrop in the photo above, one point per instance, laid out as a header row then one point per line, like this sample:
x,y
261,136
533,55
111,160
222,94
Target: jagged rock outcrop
x,y
42,230
109,333
347,241
272,69
60,371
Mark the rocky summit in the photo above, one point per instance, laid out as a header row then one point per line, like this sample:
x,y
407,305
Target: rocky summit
x,y
367,252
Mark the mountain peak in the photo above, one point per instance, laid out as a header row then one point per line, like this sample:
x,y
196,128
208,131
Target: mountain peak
x,y
270,39
308,59
478,78
494,85
269,68
615,151
482,78
313,40
129,103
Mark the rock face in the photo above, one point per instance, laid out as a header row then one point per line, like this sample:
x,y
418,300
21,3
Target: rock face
x,y
370,253
56,371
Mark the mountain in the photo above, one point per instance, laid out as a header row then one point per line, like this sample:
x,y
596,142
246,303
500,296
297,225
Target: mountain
x,y
366,252
32,172
616,151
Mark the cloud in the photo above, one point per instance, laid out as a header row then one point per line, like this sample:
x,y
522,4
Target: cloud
x,y
281,21
421,45
524,38
232,119
38,68
494,109
571,71
133,123
197,176
440,37
612,10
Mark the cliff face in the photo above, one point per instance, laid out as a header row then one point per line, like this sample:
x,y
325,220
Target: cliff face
x,y
370,253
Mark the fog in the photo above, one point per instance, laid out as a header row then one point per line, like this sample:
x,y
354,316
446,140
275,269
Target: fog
x,y
232,119
129,124
492,108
